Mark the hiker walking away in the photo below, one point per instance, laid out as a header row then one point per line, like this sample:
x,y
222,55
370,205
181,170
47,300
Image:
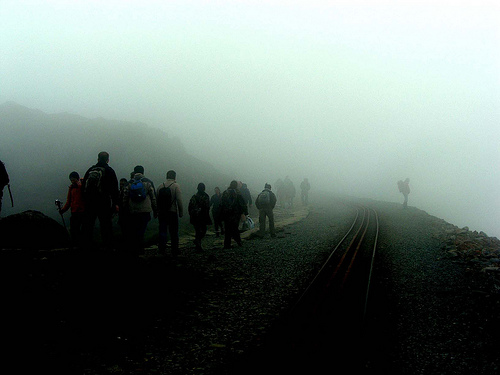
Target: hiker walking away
x,y
170,209
233,209
139,200
75,201
289,190
304,191
100,193
4,180
215,201
404,188
122,210
247,198
265,202
199,213
280,190
245,193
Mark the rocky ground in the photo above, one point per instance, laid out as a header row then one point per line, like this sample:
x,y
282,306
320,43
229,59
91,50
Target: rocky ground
x,y
434,307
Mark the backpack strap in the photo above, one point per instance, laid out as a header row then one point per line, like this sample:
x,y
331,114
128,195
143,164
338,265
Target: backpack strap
x,y
174,197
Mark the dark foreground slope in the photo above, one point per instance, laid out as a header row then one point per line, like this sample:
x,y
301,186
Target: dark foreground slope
x,y
433,311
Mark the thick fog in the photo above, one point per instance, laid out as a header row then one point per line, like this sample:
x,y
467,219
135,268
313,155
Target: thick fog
x,y
354,95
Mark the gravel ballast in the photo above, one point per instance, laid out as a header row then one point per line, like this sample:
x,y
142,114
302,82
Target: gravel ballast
x,y
434,307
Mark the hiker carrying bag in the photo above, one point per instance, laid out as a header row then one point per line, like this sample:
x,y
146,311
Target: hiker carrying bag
x,y
264,198
95,181
137,190
164,199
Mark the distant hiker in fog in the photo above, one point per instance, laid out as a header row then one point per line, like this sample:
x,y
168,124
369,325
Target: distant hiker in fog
x,y
280,190
289,192
139,200
4,180
170,209
265,202
100,193
215,201
75,201
304,191
233,209
199,213
404,188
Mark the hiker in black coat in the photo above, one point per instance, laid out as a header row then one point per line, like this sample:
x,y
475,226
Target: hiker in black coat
x,y
199,214
233,210
216,212
265,202
101,201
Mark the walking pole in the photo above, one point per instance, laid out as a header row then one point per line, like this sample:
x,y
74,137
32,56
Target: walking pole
x,y
58,204
10,193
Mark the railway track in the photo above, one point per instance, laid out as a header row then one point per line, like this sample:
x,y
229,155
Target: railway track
x,y
325,325
346,274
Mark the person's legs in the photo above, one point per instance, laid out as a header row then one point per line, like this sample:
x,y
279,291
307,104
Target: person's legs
x,y
228,234
174,232
270,215
262,222
75,227
88,225
106,224
162,235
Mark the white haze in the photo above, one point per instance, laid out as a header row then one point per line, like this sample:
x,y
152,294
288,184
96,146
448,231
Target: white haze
x,y
354,95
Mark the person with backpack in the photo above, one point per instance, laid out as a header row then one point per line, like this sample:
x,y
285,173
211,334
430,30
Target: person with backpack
x,y
265,202
4,181
404,188
245,193
100,194
74,201
170,209
122,210
199,214
139,200
216,212
233,209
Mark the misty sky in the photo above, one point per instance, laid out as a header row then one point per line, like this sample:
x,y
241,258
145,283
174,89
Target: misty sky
x,y
354,95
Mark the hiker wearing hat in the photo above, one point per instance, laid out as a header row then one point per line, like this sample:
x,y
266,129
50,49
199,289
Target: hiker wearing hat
x,y
265,202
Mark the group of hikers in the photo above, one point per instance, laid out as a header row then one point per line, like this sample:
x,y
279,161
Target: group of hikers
x,y
99,195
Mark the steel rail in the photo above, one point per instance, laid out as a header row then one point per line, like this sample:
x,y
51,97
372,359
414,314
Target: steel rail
x,y
371,265
306,291
347,250
346,275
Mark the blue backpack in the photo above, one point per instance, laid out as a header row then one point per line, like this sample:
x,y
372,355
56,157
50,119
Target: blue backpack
x,y
137,190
